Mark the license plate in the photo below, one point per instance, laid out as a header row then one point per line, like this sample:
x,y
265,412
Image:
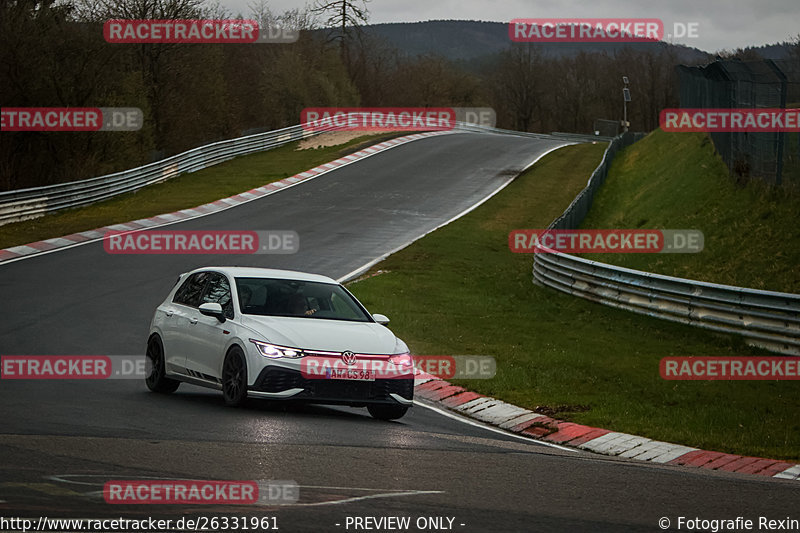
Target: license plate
x,y
352,375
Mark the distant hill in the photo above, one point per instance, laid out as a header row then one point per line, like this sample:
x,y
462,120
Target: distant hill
x,y
772,51
461,40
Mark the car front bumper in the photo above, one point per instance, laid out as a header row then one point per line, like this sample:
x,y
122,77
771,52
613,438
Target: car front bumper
x,y
276,382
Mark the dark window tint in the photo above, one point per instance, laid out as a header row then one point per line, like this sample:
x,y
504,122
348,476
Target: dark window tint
x,y
218,291
192,289
300,299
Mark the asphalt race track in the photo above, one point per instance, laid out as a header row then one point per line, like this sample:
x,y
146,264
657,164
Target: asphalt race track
x,y
61,440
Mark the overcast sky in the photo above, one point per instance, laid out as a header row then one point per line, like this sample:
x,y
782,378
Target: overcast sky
x,y
721,24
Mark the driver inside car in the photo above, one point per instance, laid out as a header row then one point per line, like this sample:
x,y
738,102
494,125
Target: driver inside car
x,y
297,305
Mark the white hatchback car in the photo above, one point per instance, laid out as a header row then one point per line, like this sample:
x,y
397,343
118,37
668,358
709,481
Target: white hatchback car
x,y
277,334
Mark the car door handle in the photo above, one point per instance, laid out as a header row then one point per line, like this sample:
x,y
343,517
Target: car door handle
x,y
192,321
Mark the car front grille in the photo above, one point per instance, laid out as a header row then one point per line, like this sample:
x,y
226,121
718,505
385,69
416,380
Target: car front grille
x,y
275,379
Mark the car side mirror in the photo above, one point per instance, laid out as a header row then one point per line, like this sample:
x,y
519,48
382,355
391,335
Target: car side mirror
x,y
213,309
380,319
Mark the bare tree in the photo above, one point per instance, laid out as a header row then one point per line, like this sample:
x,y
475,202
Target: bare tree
x,y
261,13
49,57
373,61
345,15
152,57
518,83
299,19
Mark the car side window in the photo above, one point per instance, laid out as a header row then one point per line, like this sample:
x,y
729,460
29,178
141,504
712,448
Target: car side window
x,y
192,289
218,291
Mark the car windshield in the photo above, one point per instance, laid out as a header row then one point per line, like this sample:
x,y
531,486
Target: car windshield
x,y
296,298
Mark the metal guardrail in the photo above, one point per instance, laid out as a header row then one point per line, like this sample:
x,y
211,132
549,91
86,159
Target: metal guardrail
x,y
557,135
766,319
583,137
477,128
34,202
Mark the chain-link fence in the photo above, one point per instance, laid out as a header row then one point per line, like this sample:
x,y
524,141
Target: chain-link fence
x,y
606,128
772,157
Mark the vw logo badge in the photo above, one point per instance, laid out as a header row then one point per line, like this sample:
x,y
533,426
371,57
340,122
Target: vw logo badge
x,y
349,358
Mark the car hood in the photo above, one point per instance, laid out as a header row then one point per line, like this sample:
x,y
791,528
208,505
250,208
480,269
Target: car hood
x,y
321,334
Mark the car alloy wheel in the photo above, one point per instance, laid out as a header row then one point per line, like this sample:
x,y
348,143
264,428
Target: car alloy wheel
x,y
157,380
234,377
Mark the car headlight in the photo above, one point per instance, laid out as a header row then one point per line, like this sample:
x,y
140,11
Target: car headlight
x,y
401,359
274,351
401,355
400,347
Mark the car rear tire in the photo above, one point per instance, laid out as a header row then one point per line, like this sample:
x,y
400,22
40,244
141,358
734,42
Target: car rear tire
x,y
234,378
387,412
157,380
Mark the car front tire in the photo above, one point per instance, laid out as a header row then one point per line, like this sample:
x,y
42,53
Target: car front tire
x,y
387,412
157,380
234,377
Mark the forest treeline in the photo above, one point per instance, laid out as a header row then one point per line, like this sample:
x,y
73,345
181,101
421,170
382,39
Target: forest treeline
x,y
53,54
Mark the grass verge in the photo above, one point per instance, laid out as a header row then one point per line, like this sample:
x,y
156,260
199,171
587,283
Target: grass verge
x,y
185,191
677,181
460,290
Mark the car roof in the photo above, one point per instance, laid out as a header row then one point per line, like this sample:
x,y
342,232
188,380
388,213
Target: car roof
x,y
255,272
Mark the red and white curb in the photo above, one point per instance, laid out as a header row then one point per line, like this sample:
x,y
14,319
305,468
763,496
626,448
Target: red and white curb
x,y
84,237
530,424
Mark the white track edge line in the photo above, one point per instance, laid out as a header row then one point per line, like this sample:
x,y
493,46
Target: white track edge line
x,y
471,422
